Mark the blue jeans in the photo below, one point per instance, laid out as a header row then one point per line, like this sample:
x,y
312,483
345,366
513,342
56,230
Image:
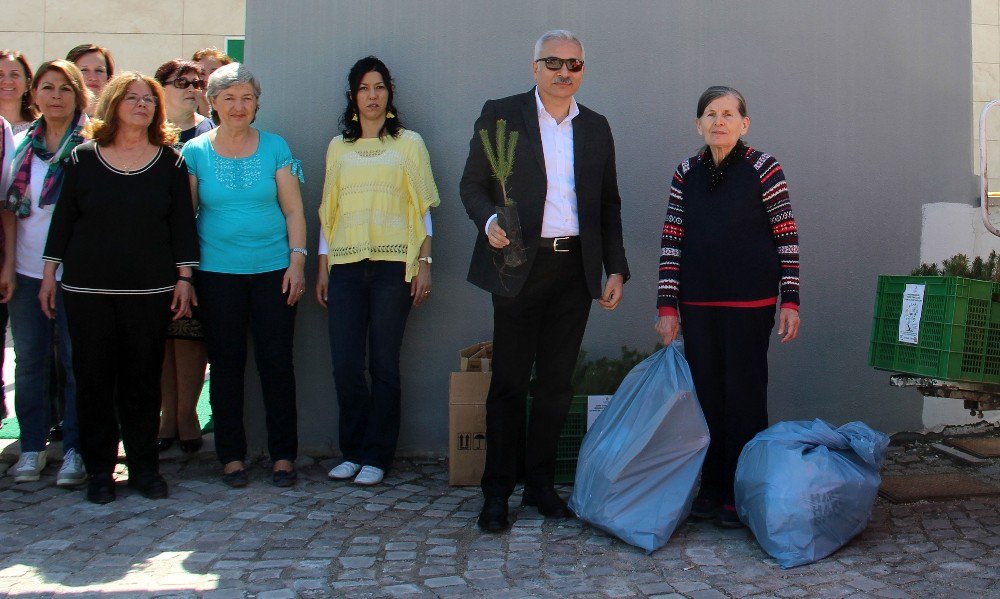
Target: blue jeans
x,y
32,332
368,303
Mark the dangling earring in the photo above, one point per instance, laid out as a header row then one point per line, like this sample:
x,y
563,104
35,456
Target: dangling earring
x,y
354,117
390,115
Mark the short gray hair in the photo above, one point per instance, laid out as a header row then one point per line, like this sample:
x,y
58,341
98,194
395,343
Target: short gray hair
x,y
227,76
563,35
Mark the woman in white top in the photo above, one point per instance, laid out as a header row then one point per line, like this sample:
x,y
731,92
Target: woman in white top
x,y
15,95
35,176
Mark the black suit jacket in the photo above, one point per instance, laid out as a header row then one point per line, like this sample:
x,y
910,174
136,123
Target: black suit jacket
x,y
598,202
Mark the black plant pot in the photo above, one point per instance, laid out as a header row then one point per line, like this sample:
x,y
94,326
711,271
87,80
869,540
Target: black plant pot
x,y
513,254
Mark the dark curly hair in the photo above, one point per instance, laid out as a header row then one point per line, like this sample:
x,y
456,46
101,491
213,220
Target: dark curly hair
x,y
351,126
177,67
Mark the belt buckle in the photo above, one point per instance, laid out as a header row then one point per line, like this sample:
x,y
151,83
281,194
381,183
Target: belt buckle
x,y
555,244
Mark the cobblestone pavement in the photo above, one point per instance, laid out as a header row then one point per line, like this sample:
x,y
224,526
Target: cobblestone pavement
x,y
416,536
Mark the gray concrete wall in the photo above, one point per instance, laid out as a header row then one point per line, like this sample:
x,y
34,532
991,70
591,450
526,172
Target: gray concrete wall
x,y
866,104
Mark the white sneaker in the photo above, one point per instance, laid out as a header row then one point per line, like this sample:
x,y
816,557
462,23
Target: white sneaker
x,y
344,471
72,472
29,466
369,475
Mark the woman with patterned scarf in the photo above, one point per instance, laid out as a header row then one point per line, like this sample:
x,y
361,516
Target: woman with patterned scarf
x,y
36,177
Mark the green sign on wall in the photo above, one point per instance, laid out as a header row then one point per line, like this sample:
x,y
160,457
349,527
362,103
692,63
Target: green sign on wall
x,y
234,48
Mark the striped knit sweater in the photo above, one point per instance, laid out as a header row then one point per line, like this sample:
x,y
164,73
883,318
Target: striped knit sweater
x,y
736,245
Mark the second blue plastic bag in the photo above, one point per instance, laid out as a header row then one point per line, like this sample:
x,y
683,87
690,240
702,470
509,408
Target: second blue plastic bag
x,y
640,460
805,488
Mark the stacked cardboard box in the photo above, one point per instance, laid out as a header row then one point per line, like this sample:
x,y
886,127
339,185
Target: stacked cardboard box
x,y
467,391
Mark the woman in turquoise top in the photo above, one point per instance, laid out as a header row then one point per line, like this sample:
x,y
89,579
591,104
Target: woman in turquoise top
x,y
245,185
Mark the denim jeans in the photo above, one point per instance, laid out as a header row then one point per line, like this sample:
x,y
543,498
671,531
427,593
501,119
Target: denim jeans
x,y
229,304
32,332
368,303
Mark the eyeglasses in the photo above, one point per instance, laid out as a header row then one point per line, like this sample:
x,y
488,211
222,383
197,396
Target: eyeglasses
x,y
134,99
574,65
182,83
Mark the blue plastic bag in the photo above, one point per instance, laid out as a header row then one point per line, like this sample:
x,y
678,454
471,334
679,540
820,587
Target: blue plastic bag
x,y
805,488
640,460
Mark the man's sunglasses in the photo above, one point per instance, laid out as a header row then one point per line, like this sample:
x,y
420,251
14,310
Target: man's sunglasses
x,y
182,83
574,65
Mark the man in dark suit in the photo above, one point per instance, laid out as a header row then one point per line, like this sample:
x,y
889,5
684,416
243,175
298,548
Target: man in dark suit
x,y
565,185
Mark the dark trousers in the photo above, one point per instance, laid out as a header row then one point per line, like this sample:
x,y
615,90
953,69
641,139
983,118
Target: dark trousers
x,y
368,303
543,325
117,356
228,305
727,351
4,317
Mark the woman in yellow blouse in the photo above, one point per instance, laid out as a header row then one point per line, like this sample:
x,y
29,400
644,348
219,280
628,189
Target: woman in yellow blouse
x,y
374,264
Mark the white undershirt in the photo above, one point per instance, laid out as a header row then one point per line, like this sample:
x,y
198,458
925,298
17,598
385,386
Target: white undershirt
x,y
33,230
324,249
560,218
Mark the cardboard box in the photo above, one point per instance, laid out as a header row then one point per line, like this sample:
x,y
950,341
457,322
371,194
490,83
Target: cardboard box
x,y
467,426
476,358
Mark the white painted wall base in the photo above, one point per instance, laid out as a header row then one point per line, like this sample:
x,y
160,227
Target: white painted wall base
x,y
941,412
949,229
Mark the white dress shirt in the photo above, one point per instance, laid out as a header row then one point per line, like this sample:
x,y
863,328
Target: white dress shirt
x,y
560,218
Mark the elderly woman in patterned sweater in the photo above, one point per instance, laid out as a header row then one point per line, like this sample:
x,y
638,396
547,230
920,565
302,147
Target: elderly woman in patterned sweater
x,y
375,263
729,246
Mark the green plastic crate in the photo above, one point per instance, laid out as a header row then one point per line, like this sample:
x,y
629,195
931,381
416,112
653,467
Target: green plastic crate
x,y
570,439
959,336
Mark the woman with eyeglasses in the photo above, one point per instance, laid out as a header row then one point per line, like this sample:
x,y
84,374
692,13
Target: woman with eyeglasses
x,y
124,233
245,185
186,357
97,66
374,264
36,177
729,255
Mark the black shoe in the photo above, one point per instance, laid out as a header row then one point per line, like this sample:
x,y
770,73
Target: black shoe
x,y
704,509
101,488
548,502
56,432
149,484
726,517
236,479
190,445
284,478
493,516
164,443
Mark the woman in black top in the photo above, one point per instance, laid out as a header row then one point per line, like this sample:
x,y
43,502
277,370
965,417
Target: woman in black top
x,y
124,232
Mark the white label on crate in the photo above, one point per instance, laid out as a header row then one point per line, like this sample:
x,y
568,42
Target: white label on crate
x,y
909,319
595,405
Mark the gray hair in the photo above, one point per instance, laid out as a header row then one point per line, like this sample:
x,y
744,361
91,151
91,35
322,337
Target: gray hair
x,y
563,35
718,91
227,76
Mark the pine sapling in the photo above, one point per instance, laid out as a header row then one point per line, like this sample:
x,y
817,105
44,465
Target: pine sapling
x,y
501,155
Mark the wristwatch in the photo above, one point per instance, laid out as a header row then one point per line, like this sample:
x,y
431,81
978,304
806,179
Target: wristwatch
x,y
302,251
426,259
